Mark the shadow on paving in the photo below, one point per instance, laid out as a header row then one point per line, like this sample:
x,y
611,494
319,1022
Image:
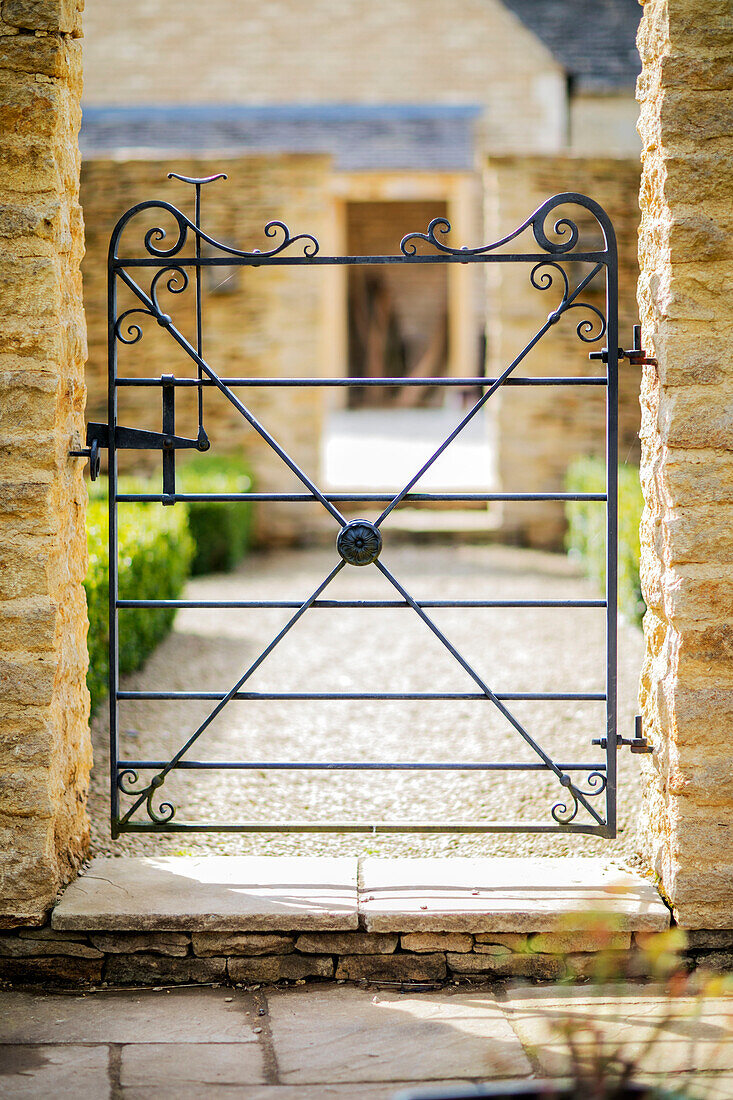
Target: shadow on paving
x,y
340,1041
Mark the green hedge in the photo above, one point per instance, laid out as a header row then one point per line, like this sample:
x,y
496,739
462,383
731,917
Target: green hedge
x,y
586,535
221,532
155,552
158,549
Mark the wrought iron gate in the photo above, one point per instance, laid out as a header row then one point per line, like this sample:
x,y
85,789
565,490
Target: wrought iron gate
x,y
586,800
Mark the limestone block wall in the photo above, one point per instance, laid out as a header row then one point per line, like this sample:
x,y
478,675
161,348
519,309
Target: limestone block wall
x,y
45,752
265,322
539,431
686,304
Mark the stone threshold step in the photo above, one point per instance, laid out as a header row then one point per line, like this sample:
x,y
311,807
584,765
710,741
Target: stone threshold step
x,y
336,894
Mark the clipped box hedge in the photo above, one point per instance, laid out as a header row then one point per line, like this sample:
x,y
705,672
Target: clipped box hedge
x,y
221,530
155,553
586,535
159,548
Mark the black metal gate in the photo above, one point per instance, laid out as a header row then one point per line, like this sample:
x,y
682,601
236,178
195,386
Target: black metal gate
x,y
587,791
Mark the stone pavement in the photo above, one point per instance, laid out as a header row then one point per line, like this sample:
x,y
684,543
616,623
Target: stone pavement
x,y
326,1041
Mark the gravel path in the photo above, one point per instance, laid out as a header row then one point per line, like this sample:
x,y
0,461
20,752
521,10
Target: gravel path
x,y
378,650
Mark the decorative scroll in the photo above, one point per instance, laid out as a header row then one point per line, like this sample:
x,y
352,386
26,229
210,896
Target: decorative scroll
x,y
564,229
156,235
165,811
565,812
543,277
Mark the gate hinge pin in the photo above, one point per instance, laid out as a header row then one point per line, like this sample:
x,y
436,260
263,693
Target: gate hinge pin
x,y
636,356
638,743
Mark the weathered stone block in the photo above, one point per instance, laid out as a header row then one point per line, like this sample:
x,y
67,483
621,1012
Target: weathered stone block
x,y
709,938
721,962
275,968
152,969
546,967
15,947
48,933
27,624
427,942
392,968
346,943
515,941
562,943
54,968
157,943
47,56
45,15
240,943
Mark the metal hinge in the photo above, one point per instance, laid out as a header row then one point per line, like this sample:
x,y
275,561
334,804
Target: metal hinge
x,y
636,356
638,743
136,439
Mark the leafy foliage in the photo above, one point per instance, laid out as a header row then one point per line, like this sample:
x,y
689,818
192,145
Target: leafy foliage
x,y
586,536
158,549
155,552
221,530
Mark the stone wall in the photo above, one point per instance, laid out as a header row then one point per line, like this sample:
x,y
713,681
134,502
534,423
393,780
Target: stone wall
x,y
45,751
331,51
686,305
266,322
541,430
250,958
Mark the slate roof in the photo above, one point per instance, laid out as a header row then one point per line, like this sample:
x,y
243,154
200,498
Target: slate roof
x,y
438,138
594,40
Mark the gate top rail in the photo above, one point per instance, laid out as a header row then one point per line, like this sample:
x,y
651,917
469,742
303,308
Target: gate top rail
x,y
565,229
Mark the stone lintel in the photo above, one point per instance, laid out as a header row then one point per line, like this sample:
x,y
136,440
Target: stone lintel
x,y
214,894
504,894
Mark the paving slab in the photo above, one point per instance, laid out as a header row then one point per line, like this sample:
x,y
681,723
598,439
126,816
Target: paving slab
x,y
67,1072
503,894
212,893
378,1091
164,1069
347,1035
663,1034
175,1016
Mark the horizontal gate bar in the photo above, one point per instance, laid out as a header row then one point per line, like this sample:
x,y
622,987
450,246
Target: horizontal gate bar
x,y
254,696
365,827
230,260
339,498
570,380
294,604
196,765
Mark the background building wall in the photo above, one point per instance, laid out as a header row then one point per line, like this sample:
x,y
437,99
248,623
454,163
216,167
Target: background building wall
x,y
268,322
330,51
686,304
45,753
540,430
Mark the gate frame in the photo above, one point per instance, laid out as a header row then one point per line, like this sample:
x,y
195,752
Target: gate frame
x,y
544,275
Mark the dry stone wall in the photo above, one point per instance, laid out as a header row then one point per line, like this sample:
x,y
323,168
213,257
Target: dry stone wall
x,y
541,430
31,956
686,306
45,752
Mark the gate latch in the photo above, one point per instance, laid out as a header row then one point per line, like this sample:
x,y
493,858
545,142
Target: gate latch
x,y
136,439
638,743
636,356
131,439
